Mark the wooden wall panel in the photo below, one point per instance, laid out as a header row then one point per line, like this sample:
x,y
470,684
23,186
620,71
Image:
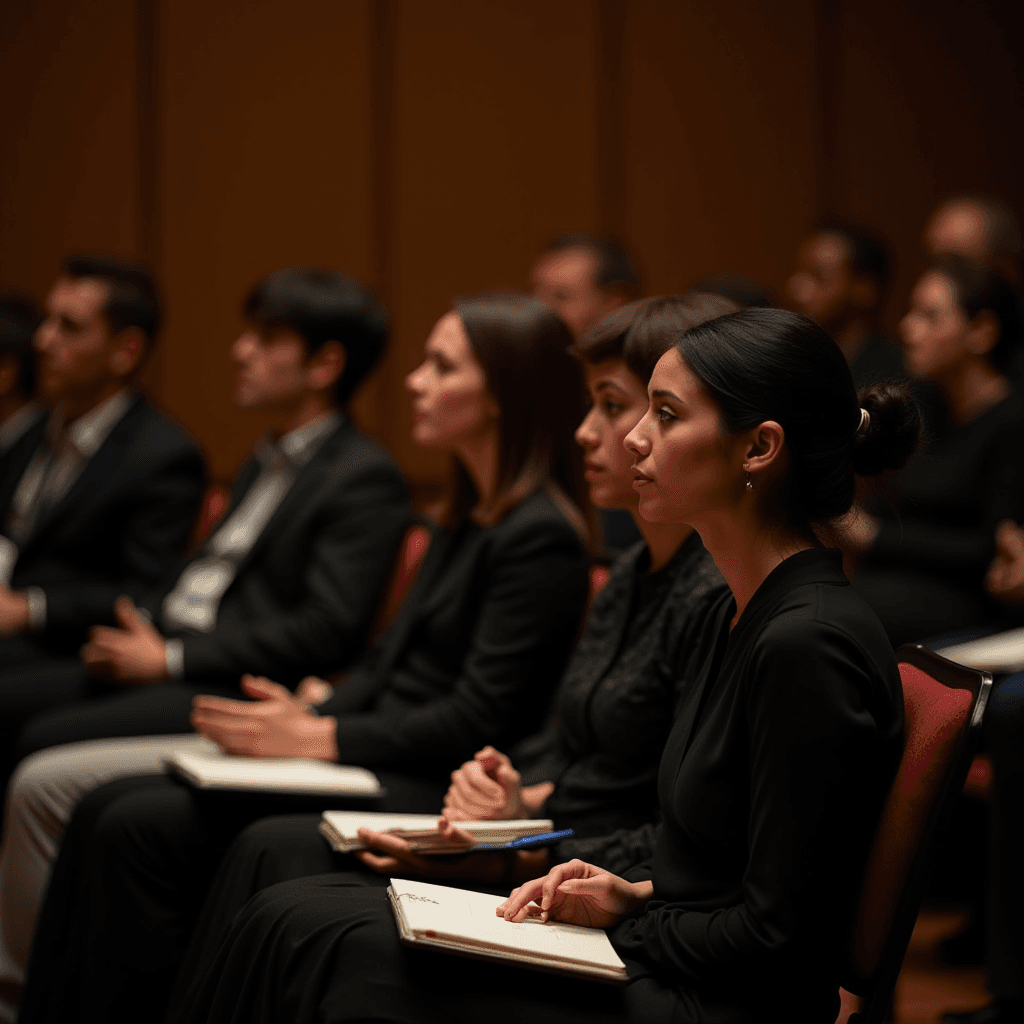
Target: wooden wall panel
x,y
69,169
264,112
931,103
494,154
719,137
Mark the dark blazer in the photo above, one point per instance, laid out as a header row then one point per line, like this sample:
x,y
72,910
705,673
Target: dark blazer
x,y
770,787
476,651
305,595
120,528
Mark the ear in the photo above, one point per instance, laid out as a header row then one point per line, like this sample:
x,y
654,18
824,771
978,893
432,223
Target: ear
x,y
129,347
983,333
763,448
326,365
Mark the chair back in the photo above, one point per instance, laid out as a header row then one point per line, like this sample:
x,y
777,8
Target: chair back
x,y
943,706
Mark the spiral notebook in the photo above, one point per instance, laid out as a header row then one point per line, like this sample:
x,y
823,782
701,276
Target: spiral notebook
x,y
463,922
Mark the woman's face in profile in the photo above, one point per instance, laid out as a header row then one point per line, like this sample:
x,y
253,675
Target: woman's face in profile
x,y
618,401
684,463
934,332
451,403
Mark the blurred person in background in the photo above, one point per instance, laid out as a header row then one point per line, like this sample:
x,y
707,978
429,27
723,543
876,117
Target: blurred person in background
x,y
584,278
840,281
98,498
923,557
977,227
19,320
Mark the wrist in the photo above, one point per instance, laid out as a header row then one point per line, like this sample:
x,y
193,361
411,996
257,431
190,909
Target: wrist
x,y
321,740
642,892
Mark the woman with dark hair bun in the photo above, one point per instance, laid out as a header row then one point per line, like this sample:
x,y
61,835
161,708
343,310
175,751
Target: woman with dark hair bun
x,y
924,551
773,775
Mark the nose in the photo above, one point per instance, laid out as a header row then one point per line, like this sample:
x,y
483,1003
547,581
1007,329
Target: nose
x,y
44,336
799,286
906,327
586,436
242,347
636,441
414,380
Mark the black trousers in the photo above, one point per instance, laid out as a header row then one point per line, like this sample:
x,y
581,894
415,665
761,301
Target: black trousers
x,y
135,865
325,950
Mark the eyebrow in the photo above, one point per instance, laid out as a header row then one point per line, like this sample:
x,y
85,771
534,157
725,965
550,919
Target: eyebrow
x,y
665,394
605,385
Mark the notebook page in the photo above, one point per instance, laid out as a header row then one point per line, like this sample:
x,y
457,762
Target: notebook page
x,y
437,911
274,773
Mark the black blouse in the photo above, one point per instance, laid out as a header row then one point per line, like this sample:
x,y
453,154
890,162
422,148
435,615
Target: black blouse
x,y
645,642
770,787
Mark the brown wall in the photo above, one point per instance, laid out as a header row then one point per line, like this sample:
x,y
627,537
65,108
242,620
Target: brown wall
x,y
431,148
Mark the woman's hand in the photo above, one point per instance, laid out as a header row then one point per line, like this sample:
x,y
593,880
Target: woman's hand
x,y
486,788
389,854
1005,578
276,724
577,893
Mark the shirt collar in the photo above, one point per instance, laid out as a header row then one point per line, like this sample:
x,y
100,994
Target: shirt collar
x,y
300,445
91,429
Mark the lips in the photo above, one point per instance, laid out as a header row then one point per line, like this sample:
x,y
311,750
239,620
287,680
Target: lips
x,y
591,470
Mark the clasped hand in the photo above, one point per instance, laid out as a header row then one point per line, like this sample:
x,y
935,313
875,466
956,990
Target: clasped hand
x,y
1005,578
388,853
577,893
277,723
132,652
485,789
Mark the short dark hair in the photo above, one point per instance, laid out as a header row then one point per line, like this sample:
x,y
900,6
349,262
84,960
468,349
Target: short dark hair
x,y
977,288
19,321
132,297
518,341
642,332
869,255
616,267
322,306
771,364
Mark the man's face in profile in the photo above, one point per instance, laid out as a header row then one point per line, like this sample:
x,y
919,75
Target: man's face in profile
x,y
270,367
565,281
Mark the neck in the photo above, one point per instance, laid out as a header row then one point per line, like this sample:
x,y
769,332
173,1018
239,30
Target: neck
x,y
74,406
971,388
746,549
307,409
479,457
10,404
852,337
663,539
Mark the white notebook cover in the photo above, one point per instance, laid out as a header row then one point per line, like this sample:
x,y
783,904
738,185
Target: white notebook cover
x,y
340,829
1003,652
464,922
273,775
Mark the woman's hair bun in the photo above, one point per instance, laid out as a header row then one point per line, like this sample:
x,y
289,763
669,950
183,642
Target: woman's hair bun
x,y
894,433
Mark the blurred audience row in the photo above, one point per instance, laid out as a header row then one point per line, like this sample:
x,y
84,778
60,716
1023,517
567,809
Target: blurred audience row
x,y
125,628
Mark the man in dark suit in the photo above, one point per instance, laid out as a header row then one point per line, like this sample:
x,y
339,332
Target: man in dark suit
x,y
98,498
290,581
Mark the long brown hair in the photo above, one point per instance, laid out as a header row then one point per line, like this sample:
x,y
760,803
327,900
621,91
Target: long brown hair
x,y
522,346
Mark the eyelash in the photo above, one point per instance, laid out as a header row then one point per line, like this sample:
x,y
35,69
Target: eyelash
x,y
664,414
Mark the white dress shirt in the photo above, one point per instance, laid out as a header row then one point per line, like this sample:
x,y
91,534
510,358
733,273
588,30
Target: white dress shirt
x,y
194,601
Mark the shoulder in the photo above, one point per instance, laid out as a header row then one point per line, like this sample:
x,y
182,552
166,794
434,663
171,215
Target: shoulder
x,y
152,428
351,453
534,522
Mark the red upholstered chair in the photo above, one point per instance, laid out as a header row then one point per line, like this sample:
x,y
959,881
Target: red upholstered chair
x,y
943,707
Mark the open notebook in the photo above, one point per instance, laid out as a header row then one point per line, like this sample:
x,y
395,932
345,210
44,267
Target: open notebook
x,y
340,828
1001,653
272,774
439,917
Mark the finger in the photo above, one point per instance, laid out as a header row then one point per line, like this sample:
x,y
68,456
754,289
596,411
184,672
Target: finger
x,y
455,835
382,865
127,615
515,905
223,705
383,841
264,689
474,787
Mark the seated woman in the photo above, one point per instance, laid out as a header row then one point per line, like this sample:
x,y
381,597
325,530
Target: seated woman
x,y
924,556
594,768
472,657
774,772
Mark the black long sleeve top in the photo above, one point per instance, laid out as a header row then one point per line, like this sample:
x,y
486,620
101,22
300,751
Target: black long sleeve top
x,y
645,642
771,784
475,653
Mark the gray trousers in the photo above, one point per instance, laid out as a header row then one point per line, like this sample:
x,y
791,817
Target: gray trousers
x,y
41,799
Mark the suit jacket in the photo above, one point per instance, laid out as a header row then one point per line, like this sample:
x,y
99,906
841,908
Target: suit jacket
x,y
122,525
305,595
476,651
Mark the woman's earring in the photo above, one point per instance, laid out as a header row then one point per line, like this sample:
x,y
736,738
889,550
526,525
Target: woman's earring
x,y
750,486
